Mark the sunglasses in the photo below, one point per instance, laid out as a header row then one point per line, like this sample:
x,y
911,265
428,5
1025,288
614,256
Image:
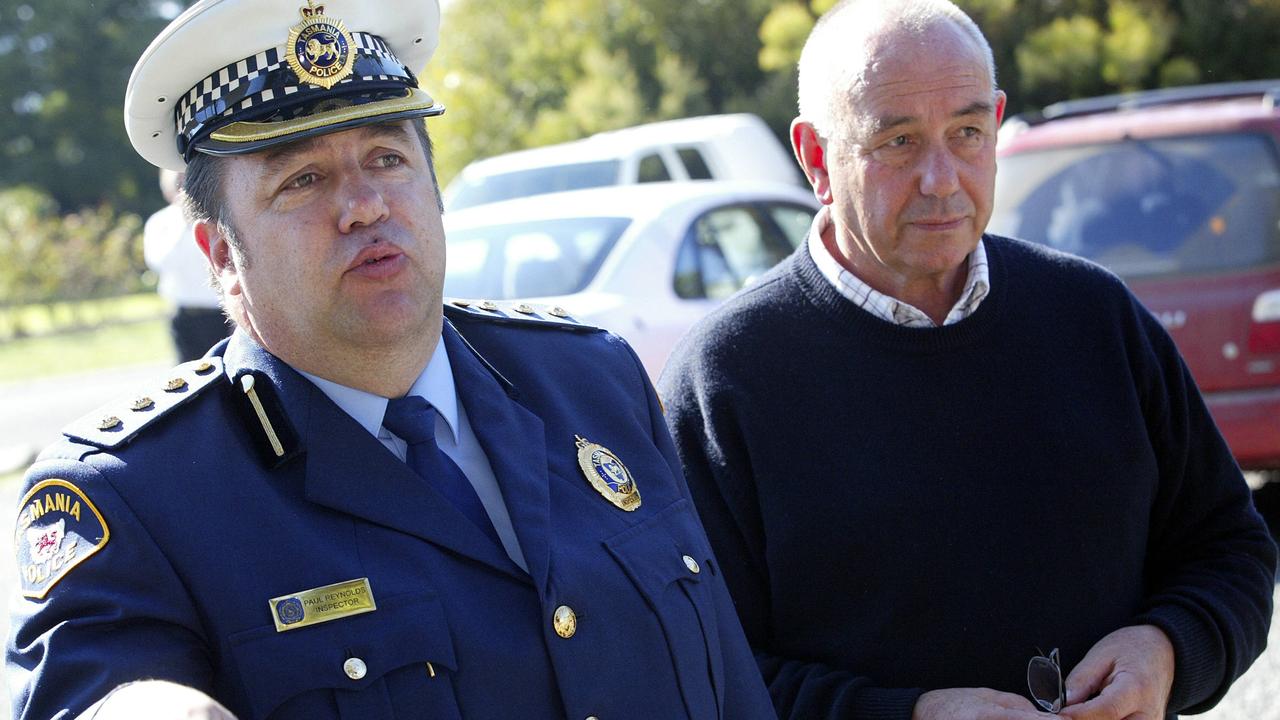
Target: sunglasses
x,y
1044,680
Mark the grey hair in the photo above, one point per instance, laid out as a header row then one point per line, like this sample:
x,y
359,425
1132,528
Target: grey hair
x,y
834,61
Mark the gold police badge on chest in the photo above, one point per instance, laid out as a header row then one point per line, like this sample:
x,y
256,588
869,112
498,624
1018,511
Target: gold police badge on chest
x,y
320,51
607,474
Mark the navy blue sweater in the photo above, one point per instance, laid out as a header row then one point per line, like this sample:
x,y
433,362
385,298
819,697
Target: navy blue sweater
x,y
897,510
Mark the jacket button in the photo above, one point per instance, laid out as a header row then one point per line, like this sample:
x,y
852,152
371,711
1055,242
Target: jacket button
x,y
592,717
355,668
692,565
565,621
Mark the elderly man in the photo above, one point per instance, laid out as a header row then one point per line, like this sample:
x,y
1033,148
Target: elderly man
x,y
360,506
935,463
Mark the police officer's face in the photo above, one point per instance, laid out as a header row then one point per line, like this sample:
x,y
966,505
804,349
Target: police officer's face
x,y
913,169
343,243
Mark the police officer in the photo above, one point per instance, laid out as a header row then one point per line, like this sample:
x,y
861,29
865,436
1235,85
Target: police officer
x,y
360,506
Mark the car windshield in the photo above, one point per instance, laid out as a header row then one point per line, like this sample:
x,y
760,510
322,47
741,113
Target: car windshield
x,y
534,181
1148,207
530,259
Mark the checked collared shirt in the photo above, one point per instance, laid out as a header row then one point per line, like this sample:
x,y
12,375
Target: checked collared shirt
x,y
976,285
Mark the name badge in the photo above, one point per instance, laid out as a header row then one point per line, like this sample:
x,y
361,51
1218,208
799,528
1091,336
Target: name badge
x,y
311,607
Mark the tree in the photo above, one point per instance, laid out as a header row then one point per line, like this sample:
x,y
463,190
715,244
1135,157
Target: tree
x,y
517,73
1229,39
782,35
65,65
1051,50
1062,59
1139,39
46,256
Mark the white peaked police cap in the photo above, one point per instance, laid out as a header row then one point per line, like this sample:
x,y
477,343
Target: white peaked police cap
x,y
236,76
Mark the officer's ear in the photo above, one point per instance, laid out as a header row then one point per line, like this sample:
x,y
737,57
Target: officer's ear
x,y
811,152
214,241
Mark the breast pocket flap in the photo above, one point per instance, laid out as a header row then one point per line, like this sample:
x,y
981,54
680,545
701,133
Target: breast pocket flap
x,y
663,549
350,653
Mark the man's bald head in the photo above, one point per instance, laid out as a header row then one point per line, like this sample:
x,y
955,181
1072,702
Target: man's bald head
x,y
844,42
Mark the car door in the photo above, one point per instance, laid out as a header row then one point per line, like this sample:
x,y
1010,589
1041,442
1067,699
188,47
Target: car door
x,y
723,249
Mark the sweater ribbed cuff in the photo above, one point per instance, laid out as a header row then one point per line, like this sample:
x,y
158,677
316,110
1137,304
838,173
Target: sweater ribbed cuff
x,y
884,703
1199,658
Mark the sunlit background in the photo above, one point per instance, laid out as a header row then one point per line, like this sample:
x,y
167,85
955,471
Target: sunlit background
x,y
81,322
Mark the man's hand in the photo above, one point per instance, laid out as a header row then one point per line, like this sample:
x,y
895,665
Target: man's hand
x,y
1131,673
973,704
157,700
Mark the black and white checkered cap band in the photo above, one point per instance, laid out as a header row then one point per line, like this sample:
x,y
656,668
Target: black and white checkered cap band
x,y
266,77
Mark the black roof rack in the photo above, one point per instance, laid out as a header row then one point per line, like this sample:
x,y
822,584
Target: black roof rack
x,y
1267,90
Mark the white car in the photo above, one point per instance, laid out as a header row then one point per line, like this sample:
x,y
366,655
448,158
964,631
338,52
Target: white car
x,y
712,147
644,261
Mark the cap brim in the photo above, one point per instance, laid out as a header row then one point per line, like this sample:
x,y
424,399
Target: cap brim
x,y
246,137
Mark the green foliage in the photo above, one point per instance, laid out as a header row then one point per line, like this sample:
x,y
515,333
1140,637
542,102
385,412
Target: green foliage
x,y
516,73
93,253
1179,71
1062,59
1139,38
1230,39
1139,44
109,345
59,318
520,73
782,35
65,65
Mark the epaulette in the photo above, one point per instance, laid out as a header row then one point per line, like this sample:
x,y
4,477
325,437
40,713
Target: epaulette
x,y
120,420
514,313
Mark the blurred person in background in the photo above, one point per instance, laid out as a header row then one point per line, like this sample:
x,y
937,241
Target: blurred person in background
x,y
170,250
945,470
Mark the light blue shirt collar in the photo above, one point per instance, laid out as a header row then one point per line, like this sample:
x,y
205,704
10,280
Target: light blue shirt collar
x,y
435,384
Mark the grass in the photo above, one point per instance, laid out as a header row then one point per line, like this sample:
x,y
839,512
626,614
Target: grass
x,y
109,346
67,337
28,321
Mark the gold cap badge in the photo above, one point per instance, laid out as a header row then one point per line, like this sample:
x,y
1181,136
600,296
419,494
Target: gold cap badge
x,y
319,50
607,474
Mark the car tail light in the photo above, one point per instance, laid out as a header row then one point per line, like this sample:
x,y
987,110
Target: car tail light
x,y
1264,333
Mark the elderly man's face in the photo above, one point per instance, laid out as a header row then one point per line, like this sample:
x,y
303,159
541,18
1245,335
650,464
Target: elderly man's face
x,y
343,241
912,167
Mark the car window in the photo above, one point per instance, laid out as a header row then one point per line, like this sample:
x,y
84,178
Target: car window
x,y
530,259
652,169
694,164
534,181
724,250
792,220
1148,207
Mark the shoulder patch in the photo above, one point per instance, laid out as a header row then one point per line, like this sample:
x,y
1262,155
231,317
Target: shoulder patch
x,y
120,420
514,313
58,528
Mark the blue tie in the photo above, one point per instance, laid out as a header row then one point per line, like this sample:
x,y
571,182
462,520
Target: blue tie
x,y
413,419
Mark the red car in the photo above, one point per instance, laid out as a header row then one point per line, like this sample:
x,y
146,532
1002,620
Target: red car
x,y
1178,192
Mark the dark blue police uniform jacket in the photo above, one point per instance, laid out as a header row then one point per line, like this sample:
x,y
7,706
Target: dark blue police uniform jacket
x,y
202,522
